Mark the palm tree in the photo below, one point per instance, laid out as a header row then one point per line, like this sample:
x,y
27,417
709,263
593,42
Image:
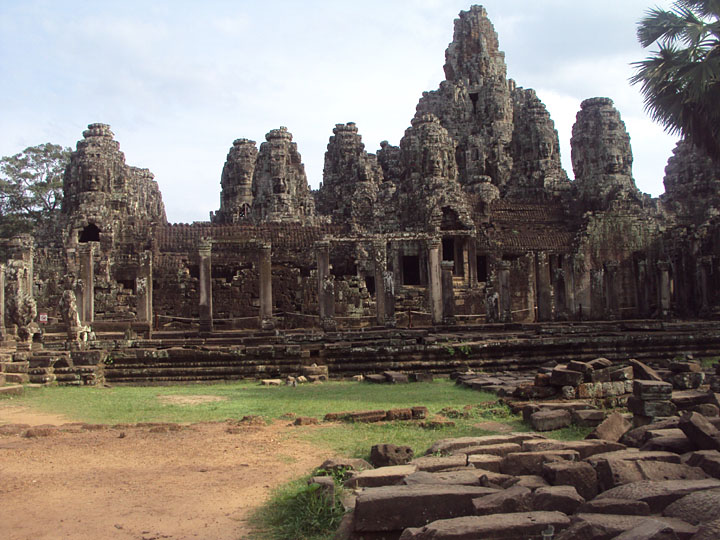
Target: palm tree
x,y
681,81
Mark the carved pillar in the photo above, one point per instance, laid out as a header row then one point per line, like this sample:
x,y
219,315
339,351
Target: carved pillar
x,y
448,295
434,280
3,333
389,293
380,263
663,289
326,293
704,266
569,287
206,304
582,282
504,291
544,291
531,287
265,275
143,286
612,287
87,277
597,299
643,289
472,262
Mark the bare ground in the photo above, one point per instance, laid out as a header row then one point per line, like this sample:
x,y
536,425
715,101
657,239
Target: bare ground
x,y
143,483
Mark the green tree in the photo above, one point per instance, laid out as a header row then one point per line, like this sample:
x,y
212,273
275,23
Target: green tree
x,y
681,80
31,188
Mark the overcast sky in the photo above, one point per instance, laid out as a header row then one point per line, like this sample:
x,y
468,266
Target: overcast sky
x,y
179,81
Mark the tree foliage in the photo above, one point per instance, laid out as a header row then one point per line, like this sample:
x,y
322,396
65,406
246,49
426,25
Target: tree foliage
x,y
31,187
681,80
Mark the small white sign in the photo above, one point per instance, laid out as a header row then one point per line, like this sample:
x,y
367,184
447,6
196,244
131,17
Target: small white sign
x,y
43,318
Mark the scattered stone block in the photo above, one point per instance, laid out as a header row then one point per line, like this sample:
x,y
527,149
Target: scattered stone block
x,y
625,507
523,525
419,413
708,410
644,372
376,378
650,529
696,508
394,508
579,475
700,431
612,473
344,464
501,449
562,498
587,417
383,476
549,420
382,455
531,463
688,380
395,377
448,446
659,495
637,436
708,531
513,499
584,448
442,463
530,481
611,429
367,416
399,414
305,421
565,377
609,526
421,377
652,390
271,382
466,477
687,399
486,462
678,444
707,460
651,408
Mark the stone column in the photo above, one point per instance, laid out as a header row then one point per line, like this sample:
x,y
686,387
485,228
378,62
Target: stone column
x,y
642,285
3,333
434,280
704,267
663,289
325,304
87,277
206,303
504,291
597,300
531,287
144,291
570,304
448,295
389,292
612,287
472,263
582,282
380,263
265,275
544,290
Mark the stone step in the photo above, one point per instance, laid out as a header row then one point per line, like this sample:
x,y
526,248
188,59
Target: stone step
x,y
12,390
16,378
15,367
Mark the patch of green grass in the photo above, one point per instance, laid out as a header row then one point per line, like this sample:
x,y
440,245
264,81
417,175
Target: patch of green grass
x,y
570,433
297,511
709,361
143,404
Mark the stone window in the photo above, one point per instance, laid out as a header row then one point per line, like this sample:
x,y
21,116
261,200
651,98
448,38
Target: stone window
x,y
91,233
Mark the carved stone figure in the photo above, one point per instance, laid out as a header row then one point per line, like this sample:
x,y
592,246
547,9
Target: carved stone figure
x,y
236,197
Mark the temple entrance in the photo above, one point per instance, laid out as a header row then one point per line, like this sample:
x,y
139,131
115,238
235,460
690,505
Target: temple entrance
x,y
91,233
411,269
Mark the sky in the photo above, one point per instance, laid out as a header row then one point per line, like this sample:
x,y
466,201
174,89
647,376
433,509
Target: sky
x,y
179,81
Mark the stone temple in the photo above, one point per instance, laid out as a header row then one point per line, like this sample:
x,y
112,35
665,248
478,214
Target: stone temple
x,y
469,229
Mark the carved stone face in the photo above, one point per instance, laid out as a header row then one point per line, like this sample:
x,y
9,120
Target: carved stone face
x,y
434,162
613,161
545,149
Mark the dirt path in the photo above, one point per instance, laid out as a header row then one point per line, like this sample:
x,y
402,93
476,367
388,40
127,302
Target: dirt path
x,y
142,483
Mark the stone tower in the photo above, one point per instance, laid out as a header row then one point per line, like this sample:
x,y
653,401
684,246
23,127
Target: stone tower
x,y
351,179
430,194
236,196
279,187
601,154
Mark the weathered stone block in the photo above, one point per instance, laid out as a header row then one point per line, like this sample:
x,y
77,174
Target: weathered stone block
x,y
588,417
580,475
531,463
548,420
435,464
652,390
611,429
652,408
399,414
707,460
659,494
565,377
383,476
514,499
625,507
700,431
523,525
485,462
561,498
492,449
382,455
396,508
696,508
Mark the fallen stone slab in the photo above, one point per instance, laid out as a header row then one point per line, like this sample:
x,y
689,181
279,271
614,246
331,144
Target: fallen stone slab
x,y
376,378
530,481
367,416
565,377
636,436
652,390
707,460
613,473
513,499
487,462
564,499
344,464
632,454
675,444
451,445
398,507
611,429
651,529
441,463
517,526
615,506
651,408
501,449
550,420
383,476
658,495
399,414
465,477
609,526
644,372
395,377
687,399
696,508
585,448
708,531
579,475
12,390
531,463
700,431
588,417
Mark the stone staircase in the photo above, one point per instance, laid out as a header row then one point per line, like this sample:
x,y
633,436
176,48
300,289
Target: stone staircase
x,y
439,350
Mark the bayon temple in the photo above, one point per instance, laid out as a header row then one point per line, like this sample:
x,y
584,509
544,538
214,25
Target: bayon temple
x,y
471,225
